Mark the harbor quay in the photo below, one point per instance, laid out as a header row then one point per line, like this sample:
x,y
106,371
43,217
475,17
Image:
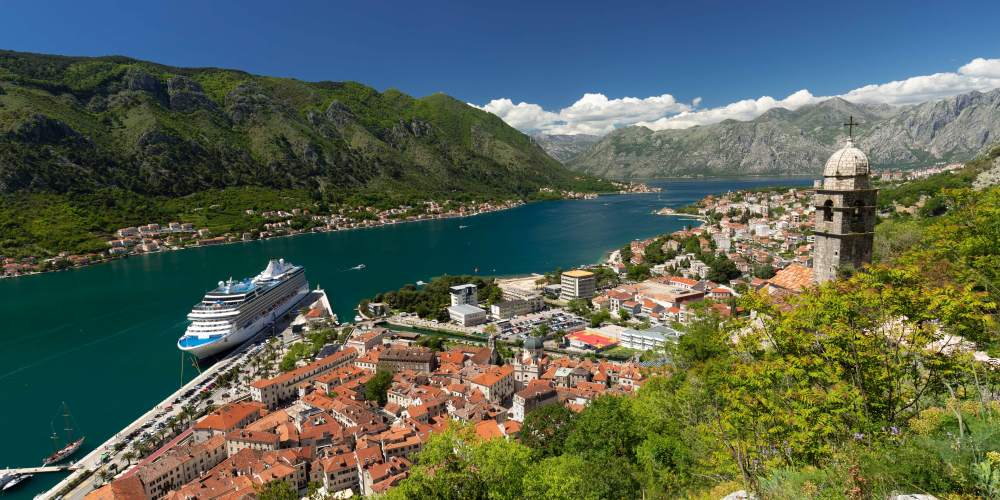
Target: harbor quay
x,y
115,457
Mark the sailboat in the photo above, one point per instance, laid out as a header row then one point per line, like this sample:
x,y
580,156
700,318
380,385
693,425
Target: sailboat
x,y
72,445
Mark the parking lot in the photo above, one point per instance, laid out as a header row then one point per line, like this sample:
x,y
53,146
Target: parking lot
x,y
520,328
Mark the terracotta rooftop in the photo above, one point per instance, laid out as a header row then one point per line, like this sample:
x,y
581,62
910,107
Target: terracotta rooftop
x,y
492,376
227,417
286,377
253,436
794,278
683,280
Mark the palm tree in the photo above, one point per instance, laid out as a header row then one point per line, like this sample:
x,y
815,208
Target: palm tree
x,y
139,448
187,412
129,455
172,423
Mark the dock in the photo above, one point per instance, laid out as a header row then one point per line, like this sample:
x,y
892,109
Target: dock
x,y
39,470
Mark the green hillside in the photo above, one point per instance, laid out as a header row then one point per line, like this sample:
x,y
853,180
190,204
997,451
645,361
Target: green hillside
x,y
842,392
72,126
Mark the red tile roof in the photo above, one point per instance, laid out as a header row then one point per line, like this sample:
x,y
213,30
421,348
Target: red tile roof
x,y
492,376
226,418
592,339
795,278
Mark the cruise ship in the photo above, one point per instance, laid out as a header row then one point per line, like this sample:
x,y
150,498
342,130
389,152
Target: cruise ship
x,y
235,311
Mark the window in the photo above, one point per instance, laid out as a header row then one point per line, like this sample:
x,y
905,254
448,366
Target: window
x,y
857,216
828,210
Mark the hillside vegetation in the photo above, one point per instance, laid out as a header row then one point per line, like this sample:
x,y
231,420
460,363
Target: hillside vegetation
x,y
134,133
839,393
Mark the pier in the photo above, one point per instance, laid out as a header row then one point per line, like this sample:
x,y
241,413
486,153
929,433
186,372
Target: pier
x,y
39,470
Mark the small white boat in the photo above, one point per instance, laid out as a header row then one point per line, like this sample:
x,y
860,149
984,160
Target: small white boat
x,y
358,267
16,480
421,282
462,227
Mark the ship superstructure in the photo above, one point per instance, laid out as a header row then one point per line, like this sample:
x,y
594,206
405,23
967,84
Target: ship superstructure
x,y
235,311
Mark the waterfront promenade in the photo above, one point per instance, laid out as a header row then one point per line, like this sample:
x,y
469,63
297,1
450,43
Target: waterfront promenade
x,y
110,455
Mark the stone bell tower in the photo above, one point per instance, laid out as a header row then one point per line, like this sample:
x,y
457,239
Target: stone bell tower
x,y
845,213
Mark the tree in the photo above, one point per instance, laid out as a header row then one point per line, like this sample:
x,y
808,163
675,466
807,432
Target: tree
x,y
599,317
623,314
654,251
605,277
432,342
545,429
580,307
721,270
456,464
934,206
638,272
606,428
277,490
702,340
764,271
570,477
626,254
542,330
377,387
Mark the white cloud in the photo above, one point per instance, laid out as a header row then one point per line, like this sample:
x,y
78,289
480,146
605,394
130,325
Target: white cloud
x,y
922,88
594,113
747,109
522,116
591,114
982,67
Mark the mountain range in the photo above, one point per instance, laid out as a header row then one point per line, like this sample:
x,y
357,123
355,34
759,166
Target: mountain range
x,y
783,141
79,124
565,147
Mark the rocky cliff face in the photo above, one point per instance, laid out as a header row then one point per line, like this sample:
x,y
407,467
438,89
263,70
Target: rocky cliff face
x,y
565,147
798,142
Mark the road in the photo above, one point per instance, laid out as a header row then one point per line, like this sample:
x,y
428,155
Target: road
x,y
415,321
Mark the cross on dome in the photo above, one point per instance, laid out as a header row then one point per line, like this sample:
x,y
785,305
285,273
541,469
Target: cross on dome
x,y
850,127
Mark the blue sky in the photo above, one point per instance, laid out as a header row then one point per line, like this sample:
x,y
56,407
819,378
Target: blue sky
x,y
547,54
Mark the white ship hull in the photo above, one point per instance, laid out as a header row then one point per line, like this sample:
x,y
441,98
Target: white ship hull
x,y
241,335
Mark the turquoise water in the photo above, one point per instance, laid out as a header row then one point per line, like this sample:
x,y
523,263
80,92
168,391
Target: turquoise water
x,y
103,338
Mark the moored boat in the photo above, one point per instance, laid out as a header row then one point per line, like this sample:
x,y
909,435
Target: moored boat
x,y
235,311
16,480
61,454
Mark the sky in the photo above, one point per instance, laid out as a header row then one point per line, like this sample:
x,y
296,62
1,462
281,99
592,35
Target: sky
x,y
550,66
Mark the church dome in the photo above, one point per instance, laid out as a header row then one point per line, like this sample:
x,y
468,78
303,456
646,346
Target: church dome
x,y
846,161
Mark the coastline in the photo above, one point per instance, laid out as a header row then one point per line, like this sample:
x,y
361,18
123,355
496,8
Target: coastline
x,y
109,259
581,261
693,218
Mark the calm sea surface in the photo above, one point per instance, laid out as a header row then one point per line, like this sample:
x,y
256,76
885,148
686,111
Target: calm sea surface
x,y
102,338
